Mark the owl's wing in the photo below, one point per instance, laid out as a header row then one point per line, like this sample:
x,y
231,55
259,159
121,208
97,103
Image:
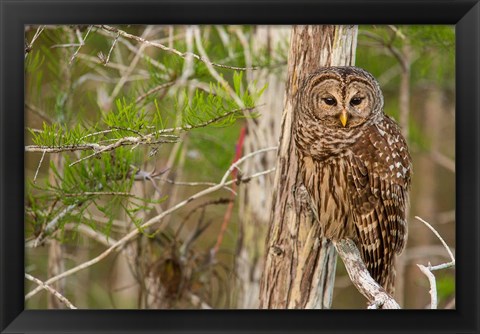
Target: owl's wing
x,y
378,185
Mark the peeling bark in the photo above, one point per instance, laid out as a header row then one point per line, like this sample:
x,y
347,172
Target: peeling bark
x,y
299,269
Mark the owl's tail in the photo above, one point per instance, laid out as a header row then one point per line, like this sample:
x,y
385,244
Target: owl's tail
x,y
386,276
382,269
389,284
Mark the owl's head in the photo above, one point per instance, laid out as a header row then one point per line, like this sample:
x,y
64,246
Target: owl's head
x,y
343,97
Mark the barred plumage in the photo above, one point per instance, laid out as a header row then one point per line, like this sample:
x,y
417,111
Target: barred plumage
x,y
355,165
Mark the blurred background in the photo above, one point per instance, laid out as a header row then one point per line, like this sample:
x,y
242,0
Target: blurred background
x,y
99,84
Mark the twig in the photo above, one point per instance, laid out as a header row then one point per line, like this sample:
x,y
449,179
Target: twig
x,y
433,285
66,45
133,233
102,193
111,49
181,183
428,271
188,65
228,213
82,43
65,148
166,48
213,120
54,292
126,141
246,179
129,70
440,238
154,90
361,278
28,47
38,168
141,175
145,57
246,51
424,252
51,225
245,157
92,62
213,72
99,133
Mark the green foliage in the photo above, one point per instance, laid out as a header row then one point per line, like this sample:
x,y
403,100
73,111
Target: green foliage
x,y
427,37
55,135
445,287
128,120
85,107
430,50
126,116
91,181
433,49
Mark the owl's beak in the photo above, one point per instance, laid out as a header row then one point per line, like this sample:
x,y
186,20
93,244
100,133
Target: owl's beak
x,y
343,118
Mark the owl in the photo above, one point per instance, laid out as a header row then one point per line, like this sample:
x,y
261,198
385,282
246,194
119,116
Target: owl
x,y
355,165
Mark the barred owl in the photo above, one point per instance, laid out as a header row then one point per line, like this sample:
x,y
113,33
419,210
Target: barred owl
x,y
355,165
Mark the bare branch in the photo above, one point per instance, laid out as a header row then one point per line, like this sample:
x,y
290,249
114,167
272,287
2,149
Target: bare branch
x,y
182,183
64,148
428,271
211,121
51,225
127,141
213,72
54,292
29,46
81,43
168,49
111,49
38,168
439,237
360,277
133,233
433,285
154,90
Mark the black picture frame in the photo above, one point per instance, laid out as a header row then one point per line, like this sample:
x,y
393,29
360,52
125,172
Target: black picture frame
x,y
464,14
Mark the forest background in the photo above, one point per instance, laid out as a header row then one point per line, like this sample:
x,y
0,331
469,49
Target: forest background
x,y
128,123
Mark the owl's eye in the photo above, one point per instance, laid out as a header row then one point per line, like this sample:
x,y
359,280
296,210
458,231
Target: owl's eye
x,y
330,101
356,101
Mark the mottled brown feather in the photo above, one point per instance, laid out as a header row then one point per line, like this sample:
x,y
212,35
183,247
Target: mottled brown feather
x,y
358,176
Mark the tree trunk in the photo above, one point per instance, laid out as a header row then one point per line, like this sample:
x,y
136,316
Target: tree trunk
x,y
299,269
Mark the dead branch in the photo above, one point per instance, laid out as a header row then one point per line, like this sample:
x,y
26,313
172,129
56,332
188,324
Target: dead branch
x,y
133,233
168,49
376,295
428,271
148,139
48,288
